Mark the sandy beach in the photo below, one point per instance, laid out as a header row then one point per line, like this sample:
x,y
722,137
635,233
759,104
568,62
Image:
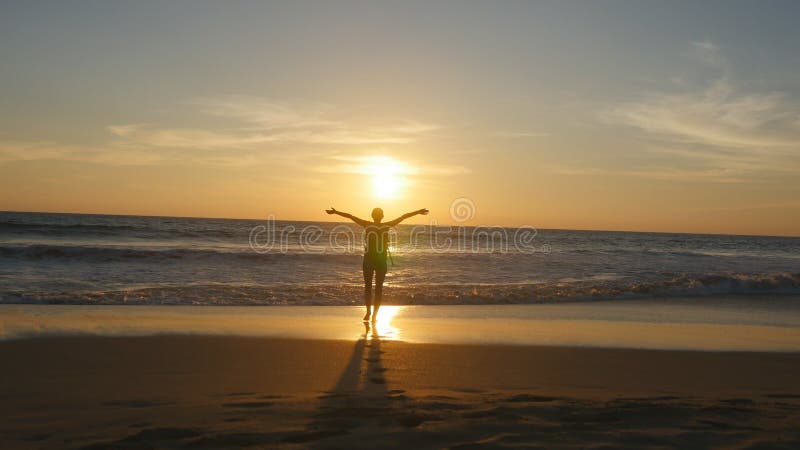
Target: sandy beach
x,y
258,392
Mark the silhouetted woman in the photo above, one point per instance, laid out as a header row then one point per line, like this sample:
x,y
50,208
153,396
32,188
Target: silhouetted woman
x,y
376,249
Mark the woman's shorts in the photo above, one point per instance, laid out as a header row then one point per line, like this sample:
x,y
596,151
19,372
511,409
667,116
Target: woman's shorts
x,y
376,263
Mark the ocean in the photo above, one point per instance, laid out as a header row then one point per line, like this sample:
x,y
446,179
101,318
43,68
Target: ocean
x,y
104,259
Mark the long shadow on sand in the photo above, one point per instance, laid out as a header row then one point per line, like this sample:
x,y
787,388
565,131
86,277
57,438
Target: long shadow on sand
x,y
359,403
360,399
361,411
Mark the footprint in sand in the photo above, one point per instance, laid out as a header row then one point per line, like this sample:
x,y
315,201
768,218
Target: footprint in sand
x,y
248,404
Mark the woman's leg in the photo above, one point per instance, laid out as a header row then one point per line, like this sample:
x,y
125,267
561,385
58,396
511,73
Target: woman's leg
x,y
380,275
368,269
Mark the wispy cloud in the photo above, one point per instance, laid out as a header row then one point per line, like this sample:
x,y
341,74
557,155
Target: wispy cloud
x,y
721,130
654,172
719,115
368,164
29,151
521,134
708,53
270,114
259,121
102,154
148,135
114,155
242,129
152,136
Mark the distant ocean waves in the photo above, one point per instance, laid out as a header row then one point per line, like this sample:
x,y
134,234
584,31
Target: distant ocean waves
x,y
109,253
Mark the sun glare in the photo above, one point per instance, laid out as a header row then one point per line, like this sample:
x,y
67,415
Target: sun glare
x,y
385,185
383,326
388,180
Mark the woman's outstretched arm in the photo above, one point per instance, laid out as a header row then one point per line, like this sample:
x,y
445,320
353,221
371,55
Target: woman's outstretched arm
x,y
405,216
355,219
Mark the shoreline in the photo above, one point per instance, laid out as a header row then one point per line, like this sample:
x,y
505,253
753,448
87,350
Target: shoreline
x,y
766,324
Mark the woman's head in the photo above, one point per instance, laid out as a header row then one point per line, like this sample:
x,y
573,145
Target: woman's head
x,y
377,214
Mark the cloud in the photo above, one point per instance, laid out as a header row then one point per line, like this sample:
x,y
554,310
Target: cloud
x,y
50,150
243,128
705,46
521,134
662,173
258,121
719,130
148,135
708,53
366,165
718,116
29,151
268,114
410,127
116,155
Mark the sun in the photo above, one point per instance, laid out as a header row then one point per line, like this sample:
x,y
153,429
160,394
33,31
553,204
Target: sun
x,y
386,185
387,175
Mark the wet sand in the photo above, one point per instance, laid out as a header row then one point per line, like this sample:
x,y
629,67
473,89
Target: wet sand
x,y
746,323
370,392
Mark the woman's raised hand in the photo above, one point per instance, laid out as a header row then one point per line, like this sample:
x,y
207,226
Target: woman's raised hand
x,y
331,211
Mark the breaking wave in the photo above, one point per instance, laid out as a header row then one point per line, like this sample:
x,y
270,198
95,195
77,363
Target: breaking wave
x,y
685,285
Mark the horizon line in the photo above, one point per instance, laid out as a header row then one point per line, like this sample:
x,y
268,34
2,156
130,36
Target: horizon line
x,y
443,225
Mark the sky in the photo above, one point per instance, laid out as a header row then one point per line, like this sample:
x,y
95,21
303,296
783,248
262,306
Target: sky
x,y
612,115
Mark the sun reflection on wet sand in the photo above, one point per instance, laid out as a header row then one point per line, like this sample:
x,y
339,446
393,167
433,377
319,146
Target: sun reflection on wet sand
x,y
614,325
383,325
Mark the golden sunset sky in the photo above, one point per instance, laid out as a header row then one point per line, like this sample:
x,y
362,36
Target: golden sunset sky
x,y
670,116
